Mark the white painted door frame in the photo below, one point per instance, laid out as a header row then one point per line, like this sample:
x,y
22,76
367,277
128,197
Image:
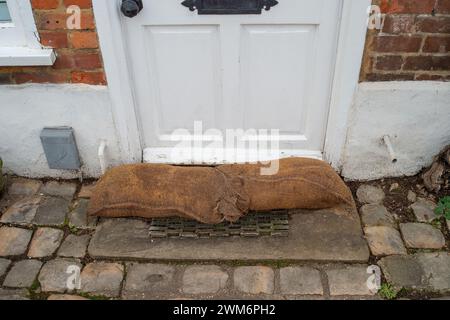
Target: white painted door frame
x,y
353,28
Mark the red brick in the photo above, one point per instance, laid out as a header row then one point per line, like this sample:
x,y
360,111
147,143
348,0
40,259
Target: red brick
x,y
95,78
78,60
432,77
407,6
389,77
427,63
45,4
54,39
83,40
399,24
389,63
40,77
58,21
397,44
437,44
433,24
83,4
443,6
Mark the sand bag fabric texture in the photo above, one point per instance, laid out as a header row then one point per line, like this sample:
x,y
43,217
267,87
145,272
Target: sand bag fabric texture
x,y
151,191
213,195
300,183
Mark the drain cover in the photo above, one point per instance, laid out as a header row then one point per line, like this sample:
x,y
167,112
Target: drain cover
x,y
272,224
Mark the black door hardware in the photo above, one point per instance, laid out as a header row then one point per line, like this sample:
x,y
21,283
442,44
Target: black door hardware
x,y
229,6
131,8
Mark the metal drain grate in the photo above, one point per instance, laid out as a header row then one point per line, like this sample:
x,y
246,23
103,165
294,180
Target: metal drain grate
x,y
273,224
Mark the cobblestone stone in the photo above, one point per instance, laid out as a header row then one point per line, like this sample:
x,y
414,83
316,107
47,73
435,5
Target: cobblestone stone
x,y
65,297
45,242
254,280
22,211
101,278
376,215
349,281
384,241
14,241
424,210
52,212
54,275
144,281
204,279
59,189
74,246
422,236
24,187
369,194
4,264
79,218
23,274
300,281
423,271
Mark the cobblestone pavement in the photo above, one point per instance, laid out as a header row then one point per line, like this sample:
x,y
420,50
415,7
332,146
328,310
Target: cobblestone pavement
x,y
45,234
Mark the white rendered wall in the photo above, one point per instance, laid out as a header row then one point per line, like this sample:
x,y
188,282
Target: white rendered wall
x,y
416,115
26,109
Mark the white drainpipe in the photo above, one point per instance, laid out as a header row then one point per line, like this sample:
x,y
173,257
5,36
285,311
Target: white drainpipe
x,y
101,156
390,148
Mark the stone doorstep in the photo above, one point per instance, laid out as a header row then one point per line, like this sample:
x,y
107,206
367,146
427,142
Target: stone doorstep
x,y
314,236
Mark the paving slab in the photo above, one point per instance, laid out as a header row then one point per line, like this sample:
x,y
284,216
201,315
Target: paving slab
x,y
317,236
23,274
147,280
45,242
14,241
54,275
300,281
74,246
204,280
101,278
22,211
52,212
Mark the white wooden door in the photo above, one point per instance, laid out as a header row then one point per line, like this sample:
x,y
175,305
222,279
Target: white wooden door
x,y
271,70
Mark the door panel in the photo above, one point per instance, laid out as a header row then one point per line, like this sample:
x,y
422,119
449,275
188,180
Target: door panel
x,y
175,54
268,71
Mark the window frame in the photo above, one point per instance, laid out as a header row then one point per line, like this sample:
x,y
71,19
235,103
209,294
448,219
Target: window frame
x,y
19,38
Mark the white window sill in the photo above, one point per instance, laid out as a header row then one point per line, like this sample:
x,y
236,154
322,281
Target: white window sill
x,y
24,56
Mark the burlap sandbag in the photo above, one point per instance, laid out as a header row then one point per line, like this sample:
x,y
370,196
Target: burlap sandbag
x,y
151,191
299,184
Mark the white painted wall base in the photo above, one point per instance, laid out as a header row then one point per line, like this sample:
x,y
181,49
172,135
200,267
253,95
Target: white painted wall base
x,y
416,116
26,109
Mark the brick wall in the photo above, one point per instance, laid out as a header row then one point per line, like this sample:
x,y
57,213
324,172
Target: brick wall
x,y
414,43
78,54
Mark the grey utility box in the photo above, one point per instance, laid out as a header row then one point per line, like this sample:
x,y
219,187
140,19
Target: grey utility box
x,y
60,148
